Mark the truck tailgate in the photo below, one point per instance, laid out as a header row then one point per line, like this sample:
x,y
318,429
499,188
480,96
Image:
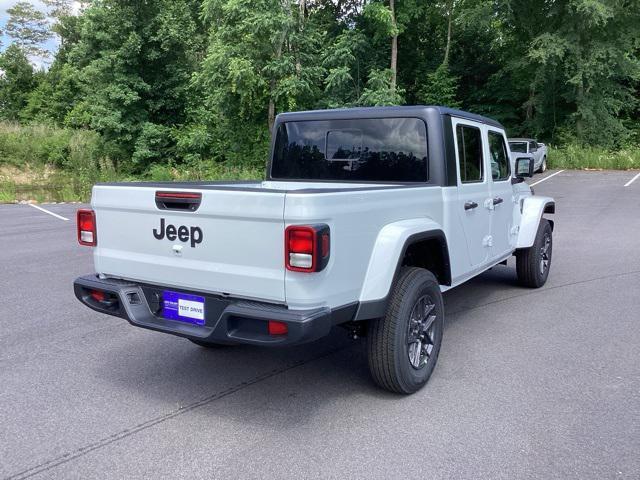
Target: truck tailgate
x,y
232,244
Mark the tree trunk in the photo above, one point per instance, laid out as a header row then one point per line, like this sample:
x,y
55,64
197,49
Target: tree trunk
x,y
301,20
450,21
303,11
271,115
394,46
579,102
271,108
529,108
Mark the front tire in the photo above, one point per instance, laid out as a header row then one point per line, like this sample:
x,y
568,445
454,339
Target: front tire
x,y
403,346
543,167
533,263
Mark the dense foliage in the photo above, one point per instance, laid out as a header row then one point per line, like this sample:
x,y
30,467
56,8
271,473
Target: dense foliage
x,y
181,82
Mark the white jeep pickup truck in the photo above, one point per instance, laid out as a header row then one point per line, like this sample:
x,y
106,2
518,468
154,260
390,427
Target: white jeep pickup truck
x,y
366,216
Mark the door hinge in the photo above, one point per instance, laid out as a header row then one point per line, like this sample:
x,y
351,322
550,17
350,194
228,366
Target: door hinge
x,y
487,241
515,229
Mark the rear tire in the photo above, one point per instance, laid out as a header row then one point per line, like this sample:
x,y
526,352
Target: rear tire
x,y
403,346
533,263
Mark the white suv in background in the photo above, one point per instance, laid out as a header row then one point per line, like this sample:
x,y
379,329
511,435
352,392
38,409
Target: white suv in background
x,y
522,147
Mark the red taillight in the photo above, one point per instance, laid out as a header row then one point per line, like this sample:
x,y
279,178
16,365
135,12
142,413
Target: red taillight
x,y
97,295
301,240
87,235
307,247
278,328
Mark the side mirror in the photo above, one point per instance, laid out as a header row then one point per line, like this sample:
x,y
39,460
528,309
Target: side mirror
x,y
534,149
524,167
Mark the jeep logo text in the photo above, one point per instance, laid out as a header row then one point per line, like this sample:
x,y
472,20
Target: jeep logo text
x,y
182,233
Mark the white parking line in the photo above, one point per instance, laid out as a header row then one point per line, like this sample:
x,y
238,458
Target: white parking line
x,y
546,178
47,211
632,180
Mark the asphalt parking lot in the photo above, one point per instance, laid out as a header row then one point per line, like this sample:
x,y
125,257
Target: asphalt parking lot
x,y
530,383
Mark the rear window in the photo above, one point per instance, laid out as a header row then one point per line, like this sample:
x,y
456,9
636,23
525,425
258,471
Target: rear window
x,y
520,147
361,150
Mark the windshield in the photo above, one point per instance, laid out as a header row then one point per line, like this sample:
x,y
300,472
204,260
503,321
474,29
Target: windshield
x,y
376,150
520,147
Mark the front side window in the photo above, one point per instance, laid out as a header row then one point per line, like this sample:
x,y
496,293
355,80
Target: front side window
x,y
499,159
469,142
364,150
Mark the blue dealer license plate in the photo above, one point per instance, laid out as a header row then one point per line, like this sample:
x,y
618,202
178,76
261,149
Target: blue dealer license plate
x,y
183,307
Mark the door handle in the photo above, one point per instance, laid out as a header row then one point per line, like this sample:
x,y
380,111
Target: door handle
x,y
497,201
470,205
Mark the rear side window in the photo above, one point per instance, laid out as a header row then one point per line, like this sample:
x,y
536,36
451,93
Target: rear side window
x,y
520,147
499,159
469,142
365,150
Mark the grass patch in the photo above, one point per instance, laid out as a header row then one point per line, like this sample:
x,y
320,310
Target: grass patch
x,y
33,144
7,192
577,157
45,163
204,170
47,184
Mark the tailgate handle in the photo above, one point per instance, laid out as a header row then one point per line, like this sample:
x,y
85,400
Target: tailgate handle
x,y
183,201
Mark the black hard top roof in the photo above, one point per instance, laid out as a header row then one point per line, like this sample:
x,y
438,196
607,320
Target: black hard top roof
x,y
373,112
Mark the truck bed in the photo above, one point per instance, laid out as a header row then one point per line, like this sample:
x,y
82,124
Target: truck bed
x,y
241,224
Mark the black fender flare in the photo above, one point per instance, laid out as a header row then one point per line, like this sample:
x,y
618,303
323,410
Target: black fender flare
x,y
377,308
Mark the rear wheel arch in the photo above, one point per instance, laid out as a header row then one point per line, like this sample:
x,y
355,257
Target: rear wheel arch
x,y
428,250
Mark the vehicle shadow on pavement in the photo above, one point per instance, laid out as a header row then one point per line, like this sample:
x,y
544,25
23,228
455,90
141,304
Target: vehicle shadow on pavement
x,y
499,283
164,372
170,372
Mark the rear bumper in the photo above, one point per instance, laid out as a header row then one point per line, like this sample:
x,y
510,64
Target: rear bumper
x,y
226,320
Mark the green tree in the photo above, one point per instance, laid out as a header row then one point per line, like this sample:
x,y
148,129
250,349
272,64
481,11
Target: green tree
x,y
381,90
63,8
54,97
60,89
440,88
16,82
28,28
202,80
264,56
592,45
60,11
385,25
344,69
134,62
